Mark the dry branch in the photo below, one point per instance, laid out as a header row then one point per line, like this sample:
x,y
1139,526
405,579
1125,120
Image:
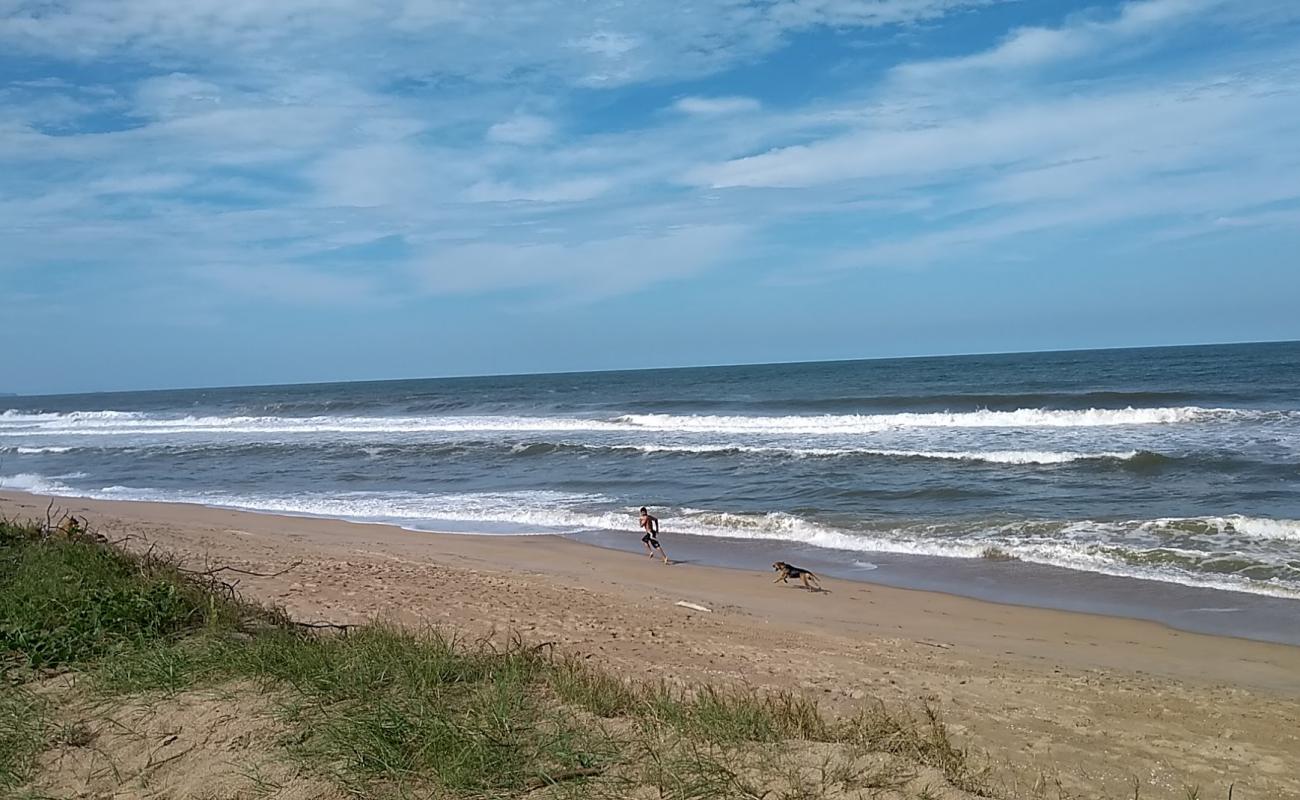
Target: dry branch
x,y
542,781
212,571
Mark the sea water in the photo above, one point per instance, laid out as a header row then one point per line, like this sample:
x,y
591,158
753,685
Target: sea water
x,y
1173,466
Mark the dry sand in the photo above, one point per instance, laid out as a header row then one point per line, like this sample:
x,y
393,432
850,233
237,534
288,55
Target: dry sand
x,y
1094,702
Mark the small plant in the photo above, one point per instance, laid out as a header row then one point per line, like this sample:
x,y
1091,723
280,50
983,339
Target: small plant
x,y
74,734
927,793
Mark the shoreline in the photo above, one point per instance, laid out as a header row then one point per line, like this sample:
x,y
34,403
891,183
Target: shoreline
x,y
1093,701
471,547
1214,611
1190,609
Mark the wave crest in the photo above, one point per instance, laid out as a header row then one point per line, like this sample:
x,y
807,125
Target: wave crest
x,y
872,423
1027,457
124,422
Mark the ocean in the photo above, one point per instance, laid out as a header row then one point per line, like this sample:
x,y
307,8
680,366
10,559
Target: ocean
x,y
1158,482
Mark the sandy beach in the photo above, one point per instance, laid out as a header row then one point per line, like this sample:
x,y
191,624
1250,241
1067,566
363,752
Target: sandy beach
x,y
1093,702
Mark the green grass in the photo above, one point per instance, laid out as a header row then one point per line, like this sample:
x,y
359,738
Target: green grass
x,y
387,712
66,600
22,733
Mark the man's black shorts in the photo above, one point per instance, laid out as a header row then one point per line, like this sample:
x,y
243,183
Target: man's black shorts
x,y
650,540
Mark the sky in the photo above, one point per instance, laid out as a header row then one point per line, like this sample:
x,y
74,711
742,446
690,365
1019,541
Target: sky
x,y
228,192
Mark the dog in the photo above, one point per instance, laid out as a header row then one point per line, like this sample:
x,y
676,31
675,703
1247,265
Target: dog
x,y
787,571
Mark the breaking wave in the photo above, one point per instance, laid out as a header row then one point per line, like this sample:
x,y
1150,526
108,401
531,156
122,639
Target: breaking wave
x,y
870,423
1233,553
41,484
121,422
990,457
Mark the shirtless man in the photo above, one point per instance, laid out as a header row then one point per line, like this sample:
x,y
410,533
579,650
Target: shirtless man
x,y
651,539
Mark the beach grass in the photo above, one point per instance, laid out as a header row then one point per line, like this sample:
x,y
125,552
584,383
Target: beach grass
x,y
382,711
22,733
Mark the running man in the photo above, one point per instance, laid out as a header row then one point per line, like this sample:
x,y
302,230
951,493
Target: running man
x,y
651,538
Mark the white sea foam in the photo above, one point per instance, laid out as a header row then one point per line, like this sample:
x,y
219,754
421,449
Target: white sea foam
x,y
13,416
1026,457
1233,525
871,423
991,456
114,425
1100,559
525,511
1083,546
1283,529
1096,547
35,484
119,422
1023,456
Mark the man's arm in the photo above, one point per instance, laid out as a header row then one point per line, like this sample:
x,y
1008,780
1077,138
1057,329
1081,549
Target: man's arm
x,y
654,523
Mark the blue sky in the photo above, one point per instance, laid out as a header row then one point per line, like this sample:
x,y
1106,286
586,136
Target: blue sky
x,y
239,191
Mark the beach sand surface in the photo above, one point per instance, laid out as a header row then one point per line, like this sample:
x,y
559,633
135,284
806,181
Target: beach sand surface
x,y
1083,705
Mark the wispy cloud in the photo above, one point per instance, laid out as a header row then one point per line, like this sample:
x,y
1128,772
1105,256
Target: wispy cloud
x,y
584,271
565,191
716,105
1026,136
587,150
1086,130
1089,33
521,129
606,42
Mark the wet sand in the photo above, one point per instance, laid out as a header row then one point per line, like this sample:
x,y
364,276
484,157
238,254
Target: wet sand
x,y
1187,608
1095,702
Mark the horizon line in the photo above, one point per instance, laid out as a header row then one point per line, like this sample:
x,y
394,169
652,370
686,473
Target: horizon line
x,y
612,371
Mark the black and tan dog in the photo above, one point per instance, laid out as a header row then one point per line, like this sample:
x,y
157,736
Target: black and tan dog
x,y
787,571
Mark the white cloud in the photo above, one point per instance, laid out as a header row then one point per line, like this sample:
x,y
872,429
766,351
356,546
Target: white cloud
x,y
563,191
584,270
1026,48
996,138
1041,144
1288,218
279,162
139,183
94,29
606,42
1195,196
1001,156
521,129
708,106
176,95
288,283
376,174
804,13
